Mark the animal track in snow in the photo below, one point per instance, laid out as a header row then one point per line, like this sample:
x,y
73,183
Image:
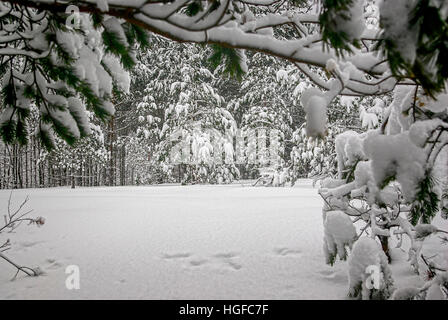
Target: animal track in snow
x,y
226,255
198,262
220,260
53,263
226,259
333,275
326,272
180,255
287,252
29,244
233,265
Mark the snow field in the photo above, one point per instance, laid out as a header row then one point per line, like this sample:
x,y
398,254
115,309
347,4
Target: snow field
x,y
177,242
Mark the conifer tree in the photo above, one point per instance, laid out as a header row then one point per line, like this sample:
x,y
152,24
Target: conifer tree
x,y
62,65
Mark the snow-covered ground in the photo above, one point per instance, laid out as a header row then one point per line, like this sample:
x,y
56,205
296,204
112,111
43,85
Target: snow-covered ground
x,y
177,242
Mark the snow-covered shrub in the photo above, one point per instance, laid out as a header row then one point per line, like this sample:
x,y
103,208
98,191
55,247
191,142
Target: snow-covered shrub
x,y
339,233
438,287
367,261
434,289
386,182
317,158
429,258
427,254
407,293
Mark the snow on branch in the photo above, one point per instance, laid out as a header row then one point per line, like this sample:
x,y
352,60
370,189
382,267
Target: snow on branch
x,y
233,24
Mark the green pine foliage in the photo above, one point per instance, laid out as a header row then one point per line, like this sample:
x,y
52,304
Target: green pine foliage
x,y
426,203
193,8
48,74
119,47
196,6
8,131
46,137
230,57
429,69
332,11
136,36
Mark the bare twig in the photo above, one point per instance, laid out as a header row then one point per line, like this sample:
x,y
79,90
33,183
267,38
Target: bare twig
x,y
28,271
12,221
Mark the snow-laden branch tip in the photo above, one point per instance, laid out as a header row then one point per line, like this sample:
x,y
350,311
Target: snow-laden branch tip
x,y
226,26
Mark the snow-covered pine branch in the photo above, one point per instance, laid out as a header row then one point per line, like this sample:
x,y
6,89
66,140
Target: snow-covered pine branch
x,y
48,65
233,24
39,37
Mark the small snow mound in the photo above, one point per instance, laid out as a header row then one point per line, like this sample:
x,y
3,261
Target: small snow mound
x,y
366,256
435,291
405,293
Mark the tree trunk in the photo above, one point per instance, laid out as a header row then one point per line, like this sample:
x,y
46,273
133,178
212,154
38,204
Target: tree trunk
x,y
73,183
111,151
385,245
